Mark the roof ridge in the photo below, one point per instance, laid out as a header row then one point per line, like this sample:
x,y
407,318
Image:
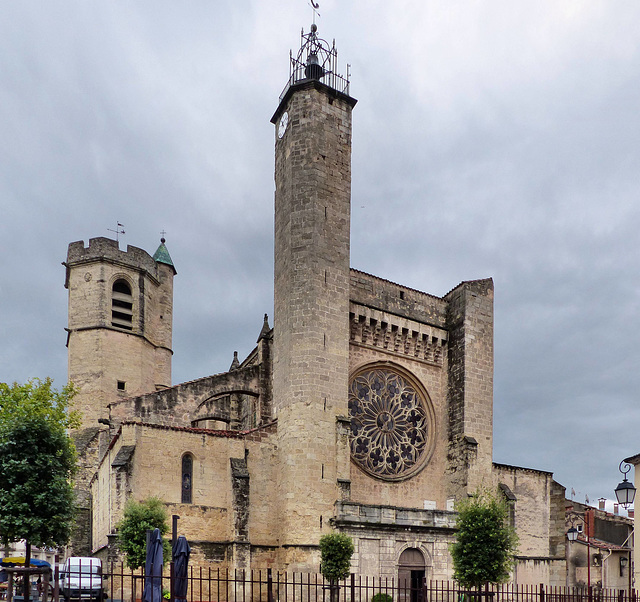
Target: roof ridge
x,y
409,288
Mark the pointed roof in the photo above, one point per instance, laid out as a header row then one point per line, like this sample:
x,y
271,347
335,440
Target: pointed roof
x,y
235,364
266,329
162,255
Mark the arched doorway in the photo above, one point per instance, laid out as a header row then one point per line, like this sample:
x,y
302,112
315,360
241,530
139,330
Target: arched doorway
x,y
411,575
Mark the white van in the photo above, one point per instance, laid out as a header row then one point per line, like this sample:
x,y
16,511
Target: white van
x,y
81,579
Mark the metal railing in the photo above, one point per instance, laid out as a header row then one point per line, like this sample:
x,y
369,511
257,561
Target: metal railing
x,y
121,584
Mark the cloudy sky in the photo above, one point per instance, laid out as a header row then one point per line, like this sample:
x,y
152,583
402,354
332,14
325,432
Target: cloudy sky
x,y
492,138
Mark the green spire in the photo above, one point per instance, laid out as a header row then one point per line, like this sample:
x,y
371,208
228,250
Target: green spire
x,y
162,255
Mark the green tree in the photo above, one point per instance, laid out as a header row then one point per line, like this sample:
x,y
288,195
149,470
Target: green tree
x,y
336,550
37,463
485,543
138,518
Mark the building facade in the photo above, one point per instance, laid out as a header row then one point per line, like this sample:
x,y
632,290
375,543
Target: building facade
x,y
601,555
367,408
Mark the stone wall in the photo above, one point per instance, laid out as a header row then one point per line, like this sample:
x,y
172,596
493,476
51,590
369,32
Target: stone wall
x,y
370,291
539,523
232,472
470,385
195,400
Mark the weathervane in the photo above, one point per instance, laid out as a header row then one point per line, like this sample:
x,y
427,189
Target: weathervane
x,y
163,234
119,230
315,6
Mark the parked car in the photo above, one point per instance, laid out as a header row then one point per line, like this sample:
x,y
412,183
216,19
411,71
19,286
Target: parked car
x,y
81,579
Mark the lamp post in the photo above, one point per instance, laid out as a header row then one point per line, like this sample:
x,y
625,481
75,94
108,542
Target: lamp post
x,y
572,535
625,494
625,491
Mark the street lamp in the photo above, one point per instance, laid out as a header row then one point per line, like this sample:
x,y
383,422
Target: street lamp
x,y
625,491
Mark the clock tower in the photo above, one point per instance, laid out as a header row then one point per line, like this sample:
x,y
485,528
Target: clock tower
x,y
311,299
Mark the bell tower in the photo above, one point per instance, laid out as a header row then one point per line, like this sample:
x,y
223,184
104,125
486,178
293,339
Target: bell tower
x,y
311,299
120,323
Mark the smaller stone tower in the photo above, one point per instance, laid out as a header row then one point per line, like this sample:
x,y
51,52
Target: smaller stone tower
x,y
120,321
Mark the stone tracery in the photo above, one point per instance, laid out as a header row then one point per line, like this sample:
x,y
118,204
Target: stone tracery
x,y
389,424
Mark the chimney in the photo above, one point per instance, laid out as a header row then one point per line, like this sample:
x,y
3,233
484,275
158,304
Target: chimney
x,y
615,509
631,512
601,502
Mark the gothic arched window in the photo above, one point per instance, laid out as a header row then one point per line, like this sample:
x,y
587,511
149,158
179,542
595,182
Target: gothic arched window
x,y
187,478
122,305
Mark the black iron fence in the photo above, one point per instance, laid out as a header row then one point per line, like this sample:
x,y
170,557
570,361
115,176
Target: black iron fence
x,y
219,585
120,584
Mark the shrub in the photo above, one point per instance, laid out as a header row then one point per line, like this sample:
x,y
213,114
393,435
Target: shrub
x,y
336,550
132,529
382,597
485,543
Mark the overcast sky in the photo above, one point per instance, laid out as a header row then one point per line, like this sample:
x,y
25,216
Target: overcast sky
x,y
493,138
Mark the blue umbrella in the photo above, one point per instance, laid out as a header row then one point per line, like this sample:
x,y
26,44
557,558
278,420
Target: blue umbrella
x,y
181,555
153,569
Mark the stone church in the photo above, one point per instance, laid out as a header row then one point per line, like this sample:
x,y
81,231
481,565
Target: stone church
x,y
366,408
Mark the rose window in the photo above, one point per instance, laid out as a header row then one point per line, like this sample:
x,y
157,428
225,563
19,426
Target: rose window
x,y
390,419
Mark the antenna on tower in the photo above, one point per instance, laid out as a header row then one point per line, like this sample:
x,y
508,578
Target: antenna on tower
x,y
119,230
315,6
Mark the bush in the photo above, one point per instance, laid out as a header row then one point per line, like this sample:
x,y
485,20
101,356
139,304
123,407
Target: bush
x,y
336,550
132,529
485,543
382,597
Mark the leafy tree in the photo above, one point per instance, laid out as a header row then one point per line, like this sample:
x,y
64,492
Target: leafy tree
x,y
37,463
485,543
336,550
138,518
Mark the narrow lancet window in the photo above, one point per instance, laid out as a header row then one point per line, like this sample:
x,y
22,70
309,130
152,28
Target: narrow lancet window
x,y
187,478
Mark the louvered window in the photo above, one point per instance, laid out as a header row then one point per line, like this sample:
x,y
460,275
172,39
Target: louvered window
x,y
122,305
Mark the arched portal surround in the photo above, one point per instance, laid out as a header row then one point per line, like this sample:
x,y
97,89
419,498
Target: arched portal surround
x,y
392,422
412,572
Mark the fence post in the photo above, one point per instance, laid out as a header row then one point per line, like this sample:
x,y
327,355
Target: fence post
x,y
269,586
542,592
353,587
171,580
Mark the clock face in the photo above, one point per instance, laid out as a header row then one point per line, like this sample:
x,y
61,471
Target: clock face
x,y
282,126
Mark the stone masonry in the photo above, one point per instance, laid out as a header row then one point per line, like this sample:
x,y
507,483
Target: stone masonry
x,y
311,342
